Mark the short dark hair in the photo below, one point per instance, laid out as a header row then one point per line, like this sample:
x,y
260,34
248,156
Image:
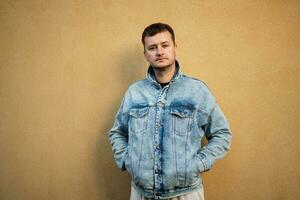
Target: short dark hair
x,y
157,28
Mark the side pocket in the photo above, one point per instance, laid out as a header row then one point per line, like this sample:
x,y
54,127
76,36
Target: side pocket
x,y
194,168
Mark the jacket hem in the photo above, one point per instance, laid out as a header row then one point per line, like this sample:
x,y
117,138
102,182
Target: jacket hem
x,y
170,193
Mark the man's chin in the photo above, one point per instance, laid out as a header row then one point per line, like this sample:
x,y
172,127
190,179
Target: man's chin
x,y
160,67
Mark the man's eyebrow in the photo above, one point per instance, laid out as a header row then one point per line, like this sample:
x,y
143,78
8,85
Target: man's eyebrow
x,y
155,44
159,43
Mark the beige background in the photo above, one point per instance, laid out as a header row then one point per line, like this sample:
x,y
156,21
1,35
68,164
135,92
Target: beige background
x,y
65,65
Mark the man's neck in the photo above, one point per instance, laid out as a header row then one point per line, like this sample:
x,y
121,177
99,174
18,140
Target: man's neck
x,y
164,75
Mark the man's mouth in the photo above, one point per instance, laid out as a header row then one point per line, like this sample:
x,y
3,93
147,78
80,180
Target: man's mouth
x,y
160,59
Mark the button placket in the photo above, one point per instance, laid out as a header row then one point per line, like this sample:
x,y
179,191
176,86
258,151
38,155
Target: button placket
x,y
157,153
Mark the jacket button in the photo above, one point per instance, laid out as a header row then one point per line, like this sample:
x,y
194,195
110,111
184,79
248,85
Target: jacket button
x,y
160,104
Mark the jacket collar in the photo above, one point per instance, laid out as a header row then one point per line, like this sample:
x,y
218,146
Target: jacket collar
x,y
151,75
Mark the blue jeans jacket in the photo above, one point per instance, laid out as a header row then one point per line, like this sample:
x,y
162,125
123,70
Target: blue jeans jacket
x,y
157,135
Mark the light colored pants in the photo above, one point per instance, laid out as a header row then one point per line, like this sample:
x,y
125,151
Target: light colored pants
x,y
199,195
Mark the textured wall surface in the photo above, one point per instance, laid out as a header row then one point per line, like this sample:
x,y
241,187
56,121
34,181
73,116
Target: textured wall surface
x,y
65,65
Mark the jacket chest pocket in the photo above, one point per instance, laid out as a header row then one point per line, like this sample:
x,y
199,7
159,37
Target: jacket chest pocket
x,y
181,119
138,119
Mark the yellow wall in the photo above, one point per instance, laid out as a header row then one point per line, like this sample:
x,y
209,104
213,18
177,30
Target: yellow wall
x,y
65,65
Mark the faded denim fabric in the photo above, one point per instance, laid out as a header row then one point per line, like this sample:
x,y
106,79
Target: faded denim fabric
x,y
157,135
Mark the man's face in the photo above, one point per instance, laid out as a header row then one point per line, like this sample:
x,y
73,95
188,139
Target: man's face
x,y
160,50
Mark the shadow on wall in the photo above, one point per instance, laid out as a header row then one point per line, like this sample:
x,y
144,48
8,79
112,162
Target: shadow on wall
x,y
132,66
113,183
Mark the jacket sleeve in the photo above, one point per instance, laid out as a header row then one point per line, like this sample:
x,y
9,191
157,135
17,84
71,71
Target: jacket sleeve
x,y
118,136
218,135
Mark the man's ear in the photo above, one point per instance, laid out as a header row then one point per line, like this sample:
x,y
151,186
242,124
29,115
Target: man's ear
x,y
145,56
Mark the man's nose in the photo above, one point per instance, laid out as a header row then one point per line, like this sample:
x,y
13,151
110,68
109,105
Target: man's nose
x,y
159,51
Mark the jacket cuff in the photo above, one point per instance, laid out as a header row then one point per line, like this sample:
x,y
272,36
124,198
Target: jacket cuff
x,y
203,164
123,166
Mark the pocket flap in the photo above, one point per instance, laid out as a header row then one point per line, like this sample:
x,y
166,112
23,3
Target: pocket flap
x,y
183,111
139,112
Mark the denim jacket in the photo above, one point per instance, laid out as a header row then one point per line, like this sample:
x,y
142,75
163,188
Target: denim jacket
x,y
157,135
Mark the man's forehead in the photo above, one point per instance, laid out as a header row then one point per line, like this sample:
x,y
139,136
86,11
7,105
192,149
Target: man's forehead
x,y
158,38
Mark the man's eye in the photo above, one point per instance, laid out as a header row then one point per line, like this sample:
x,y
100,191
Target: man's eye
x,y
151,48
165,45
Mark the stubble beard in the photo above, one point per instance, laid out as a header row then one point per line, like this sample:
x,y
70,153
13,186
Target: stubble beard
x,y
164,68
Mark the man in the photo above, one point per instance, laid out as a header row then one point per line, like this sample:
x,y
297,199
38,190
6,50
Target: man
x,y
158,128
